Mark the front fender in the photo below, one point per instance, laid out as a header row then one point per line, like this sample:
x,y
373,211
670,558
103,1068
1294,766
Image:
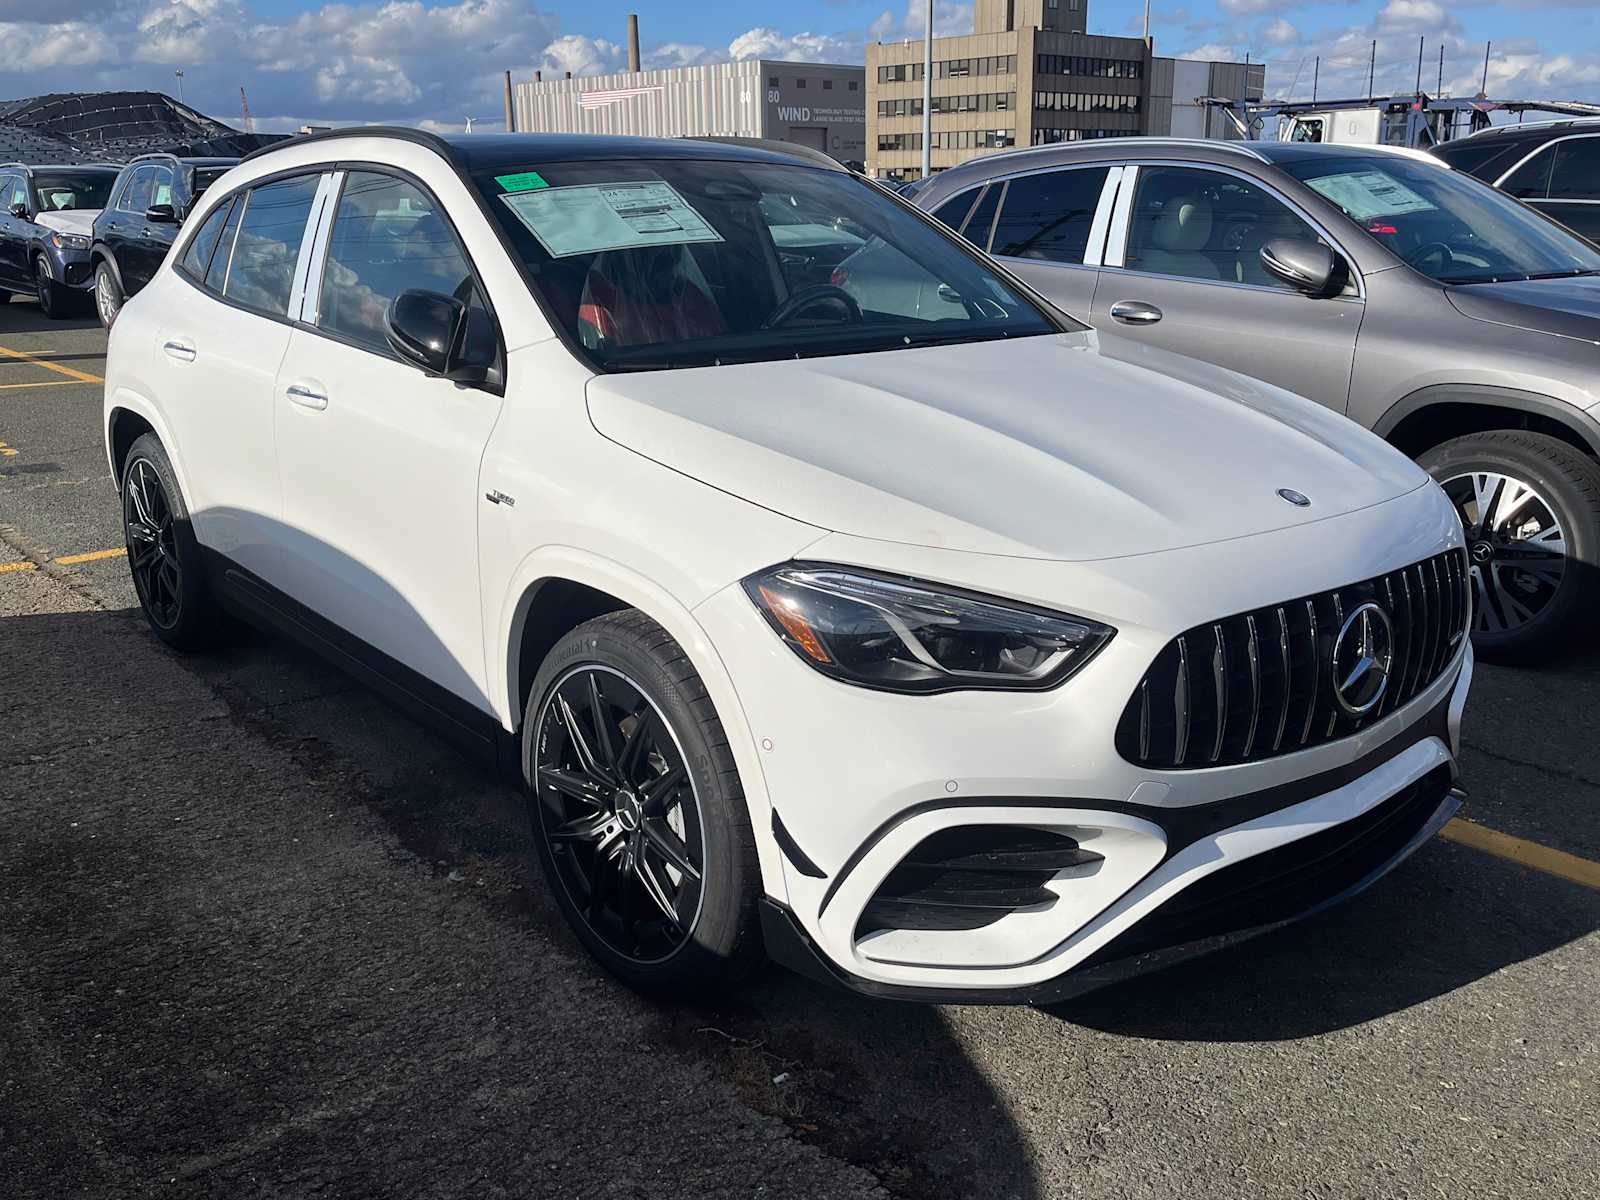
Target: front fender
x,y
553,562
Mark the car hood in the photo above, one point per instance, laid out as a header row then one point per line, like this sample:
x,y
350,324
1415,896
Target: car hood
x,y
77,220
1569,307
1072,446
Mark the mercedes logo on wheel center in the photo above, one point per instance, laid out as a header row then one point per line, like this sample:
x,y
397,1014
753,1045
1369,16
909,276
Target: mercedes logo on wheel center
x,y
1363,656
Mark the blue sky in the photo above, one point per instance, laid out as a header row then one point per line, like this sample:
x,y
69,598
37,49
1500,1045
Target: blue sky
x,y
435,62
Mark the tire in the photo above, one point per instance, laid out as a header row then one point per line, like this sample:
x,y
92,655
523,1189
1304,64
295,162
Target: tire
x,y
1536,571
55,301
108,297
163,556
599,843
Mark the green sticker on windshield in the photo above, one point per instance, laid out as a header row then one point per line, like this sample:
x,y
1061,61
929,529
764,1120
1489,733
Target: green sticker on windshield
x,y
527,181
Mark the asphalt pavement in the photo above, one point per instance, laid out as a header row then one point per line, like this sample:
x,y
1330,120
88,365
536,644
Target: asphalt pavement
x,y
261,936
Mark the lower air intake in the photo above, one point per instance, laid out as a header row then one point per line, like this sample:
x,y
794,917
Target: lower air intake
x,y
970,876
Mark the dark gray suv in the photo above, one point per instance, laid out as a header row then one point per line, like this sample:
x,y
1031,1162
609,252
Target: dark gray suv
x,y
1453,320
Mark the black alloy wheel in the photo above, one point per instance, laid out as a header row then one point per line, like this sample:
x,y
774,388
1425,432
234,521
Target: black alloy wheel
x,y
152,538
1529,506
619,813
46,289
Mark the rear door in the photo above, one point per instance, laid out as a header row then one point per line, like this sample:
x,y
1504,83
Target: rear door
x,y
1050,229
1573,197
13,233
148,241
123,224
221,346
1182,271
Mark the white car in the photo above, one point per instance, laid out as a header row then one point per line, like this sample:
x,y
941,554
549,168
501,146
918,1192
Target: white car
x,y
980,657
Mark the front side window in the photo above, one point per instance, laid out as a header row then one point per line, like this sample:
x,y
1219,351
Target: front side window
x,y
388,237
267,244
136,198
1207,225
197,254
1449,226
1576,175
654,265
1047,216
161,186
10,193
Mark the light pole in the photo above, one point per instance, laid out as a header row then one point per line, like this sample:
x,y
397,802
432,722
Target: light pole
x,y
179,74
927,95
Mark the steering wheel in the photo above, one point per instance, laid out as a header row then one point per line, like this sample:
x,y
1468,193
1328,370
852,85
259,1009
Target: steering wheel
x,y
1447,256
805,298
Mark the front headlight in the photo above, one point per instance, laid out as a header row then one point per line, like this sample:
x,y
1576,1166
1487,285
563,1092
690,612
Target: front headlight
x,y
881,631
69,241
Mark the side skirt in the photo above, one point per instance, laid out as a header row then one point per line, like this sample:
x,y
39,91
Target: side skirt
x,y
467,727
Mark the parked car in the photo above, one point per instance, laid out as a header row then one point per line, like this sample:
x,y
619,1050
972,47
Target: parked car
x,y
46,214
981,657
1552,165
151,198
1455,322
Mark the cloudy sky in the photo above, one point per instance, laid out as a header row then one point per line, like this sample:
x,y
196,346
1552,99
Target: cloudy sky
x,y
436,62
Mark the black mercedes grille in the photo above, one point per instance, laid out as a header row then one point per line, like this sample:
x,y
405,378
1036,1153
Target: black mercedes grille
x,y
1262,683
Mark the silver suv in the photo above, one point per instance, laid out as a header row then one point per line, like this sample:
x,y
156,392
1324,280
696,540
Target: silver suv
x,y
1456,322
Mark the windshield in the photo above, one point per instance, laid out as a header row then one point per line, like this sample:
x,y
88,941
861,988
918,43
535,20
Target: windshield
x,y
67,191
654,265
1445,224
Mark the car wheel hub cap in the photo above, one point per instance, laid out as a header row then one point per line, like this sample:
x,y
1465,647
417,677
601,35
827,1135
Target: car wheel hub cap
x,y
1517,546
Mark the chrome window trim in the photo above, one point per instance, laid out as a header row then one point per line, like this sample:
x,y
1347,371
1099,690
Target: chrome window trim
x,y
313,250
1117,235
1125,211
1538,150
1562,200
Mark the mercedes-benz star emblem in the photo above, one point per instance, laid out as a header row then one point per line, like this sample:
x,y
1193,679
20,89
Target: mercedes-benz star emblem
x,y
1363,656
1298,499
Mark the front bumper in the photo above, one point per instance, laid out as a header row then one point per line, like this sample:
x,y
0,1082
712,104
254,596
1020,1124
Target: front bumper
x,y
70,267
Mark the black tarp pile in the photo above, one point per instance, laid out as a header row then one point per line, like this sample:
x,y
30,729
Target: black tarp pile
x,y
114,127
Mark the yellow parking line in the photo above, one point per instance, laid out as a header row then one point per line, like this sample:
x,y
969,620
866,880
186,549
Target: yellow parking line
x,y
40,360
68,561
1524,853
92,556
11,387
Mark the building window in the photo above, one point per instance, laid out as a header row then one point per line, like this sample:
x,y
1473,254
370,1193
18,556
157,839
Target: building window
x,y
1097,102
800,83
911,106
827,85
1079,64
855,85
772,81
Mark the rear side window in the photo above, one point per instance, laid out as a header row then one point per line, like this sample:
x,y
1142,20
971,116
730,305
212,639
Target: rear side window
x,y
261,272
388,237
197,255
217,272
953,212
161,186
1576,175
1531,180
1048,216
977,227
1484,161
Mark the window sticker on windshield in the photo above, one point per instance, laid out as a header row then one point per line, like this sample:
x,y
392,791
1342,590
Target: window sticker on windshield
x,y
524,181
609,216
1368,194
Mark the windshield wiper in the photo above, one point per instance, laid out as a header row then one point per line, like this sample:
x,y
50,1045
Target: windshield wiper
x,y
1575,273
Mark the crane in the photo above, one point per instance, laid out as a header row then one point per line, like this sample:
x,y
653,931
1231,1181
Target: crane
x,y
244,103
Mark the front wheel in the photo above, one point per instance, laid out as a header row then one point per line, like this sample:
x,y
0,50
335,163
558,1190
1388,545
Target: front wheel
x,y
637,811
107,294
55,300
1530,506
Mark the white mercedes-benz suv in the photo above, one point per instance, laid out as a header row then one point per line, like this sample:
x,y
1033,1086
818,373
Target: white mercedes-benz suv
x,y
836,598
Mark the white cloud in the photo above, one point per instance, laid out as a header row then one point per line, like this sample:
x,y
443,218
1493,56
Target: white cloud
x,y
800,47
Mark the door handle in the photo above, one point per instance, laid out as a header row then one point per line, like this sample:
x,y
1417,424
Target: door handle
x,y
306,397
1135,312
181,351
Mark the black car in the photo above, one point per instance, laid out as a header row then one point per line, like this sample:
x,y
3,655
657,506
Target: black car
x,y
1552,165
46,213
152,196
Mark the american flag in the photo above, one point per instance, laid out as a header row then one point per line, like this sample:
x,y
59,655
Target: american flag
x,y
603,98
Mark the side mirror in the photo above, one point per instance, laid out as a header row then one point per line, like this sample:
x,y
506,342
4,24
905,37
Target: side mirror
x,y
424,327
161,214
19,210
1309,267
